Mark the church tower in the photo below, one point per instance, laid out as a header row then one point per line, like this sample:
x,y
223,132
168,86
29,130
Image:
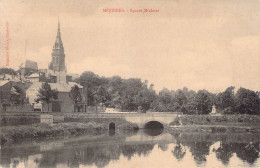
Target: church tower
x,y
58,55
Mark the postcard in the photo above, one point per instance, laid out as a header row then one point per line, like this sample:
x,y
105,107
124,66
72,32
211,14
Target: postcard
x,y
135,84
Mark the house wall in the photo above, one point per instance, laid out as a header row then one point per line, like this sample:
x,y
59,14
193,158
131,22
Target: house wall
x,y
69,78
5,92
36,79
64,101
45,107
94,109
27,71
18,108
66,104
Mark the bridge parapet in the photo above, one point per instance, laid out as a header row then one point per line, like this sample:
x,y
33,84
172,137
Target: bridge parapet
x,y
165,118
128,114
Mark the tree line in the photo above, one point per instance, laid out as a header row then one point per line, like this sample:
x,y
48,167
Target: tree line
x,y
133,94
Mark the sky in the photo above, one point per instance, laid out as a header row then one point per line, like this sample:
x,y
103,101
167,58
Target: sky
x,y
194,43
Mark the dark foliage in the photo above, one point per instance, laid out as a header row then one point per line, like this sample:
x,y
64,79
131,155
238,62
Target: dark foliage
x,y
135,95
46,94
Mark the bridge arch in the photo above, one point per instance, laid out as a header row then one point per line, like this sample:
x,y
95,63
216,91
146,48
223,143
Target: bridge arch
x,y
112,129
153,128
112,126
153,125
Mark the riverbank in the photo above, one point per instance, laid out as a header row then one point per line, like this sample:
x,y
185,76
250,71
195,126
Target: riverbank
x,y
16,134
218,120
216,124
74,124
213,129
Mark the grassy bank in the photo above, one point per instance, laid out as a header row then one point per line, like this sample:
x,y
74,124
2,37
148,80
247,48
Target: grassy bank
x,y
223,120
215,129
21,133
19,120
216,124
37,131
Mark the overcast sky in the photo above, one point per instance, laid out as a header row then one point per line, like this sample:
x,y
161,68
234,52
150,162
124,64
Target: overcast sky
x,y
199,44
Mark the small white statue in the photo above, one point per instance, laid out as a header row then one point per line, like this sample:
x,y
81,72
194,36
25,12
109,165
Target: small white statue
x,y
213,109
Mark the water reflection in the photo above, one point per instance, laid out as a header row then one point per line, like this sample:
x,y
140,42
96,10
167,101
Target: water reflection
x,y
224,152
101,150
163,146
153,132
199,150
247,152
112,132
179,151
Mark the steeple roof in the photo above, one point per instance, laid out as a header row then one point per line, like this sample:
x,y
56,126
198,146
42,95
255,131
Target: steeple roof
x,y
58,43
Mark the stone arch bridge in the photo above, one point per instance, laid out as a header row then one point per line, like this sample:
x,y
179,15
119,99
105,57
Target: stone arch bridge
x,y
143,120
146,120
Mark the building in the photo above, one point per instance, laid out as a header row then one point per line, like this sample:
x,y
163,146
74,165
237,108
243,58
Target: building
x,y
9,77
28,68
9,74
63,104
8,89
58,55
35,77
57,77
74,76
5,90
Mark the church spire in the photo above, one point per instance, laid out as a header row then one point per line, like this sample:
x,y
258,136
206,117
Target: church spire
x,y
58,22
58,32
58,55
58,43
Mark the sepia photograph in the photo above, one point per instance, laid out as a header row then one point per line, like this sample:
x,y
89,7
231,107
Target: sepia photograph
x,y
129,83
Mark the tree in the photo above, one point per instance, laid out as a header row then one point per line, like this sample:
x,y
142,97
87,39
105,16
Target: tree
x,y
9,71
131,88
165,102
92,82
76,96
202,102
258,94
145,98
17,95
126,96
247,102
180,100
190,106
115,90
46,94
102,96
226,100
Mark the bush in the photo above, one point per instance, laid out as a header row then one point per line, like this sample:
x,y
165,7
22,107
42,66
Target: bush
x,y
19,133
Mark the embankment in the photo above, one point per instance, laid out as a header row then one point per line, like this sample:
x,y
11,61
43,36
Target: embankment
x,y
216,124
21,133
182,123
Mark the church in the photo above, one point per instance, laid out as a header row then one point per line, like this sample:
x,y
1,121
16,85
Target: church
x,y
57,77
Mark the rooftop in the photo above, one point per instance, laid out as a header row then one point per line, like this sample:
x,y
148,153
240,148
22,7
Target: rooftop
x,y
3,82
30,65
60,87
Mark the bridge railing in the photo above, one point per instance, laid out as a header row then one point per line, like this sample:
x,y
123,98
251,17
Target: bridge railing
x,y
131,114
108,115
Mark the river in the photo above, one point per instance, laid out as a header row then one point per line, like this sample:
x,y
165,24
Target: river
x,y
142,149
